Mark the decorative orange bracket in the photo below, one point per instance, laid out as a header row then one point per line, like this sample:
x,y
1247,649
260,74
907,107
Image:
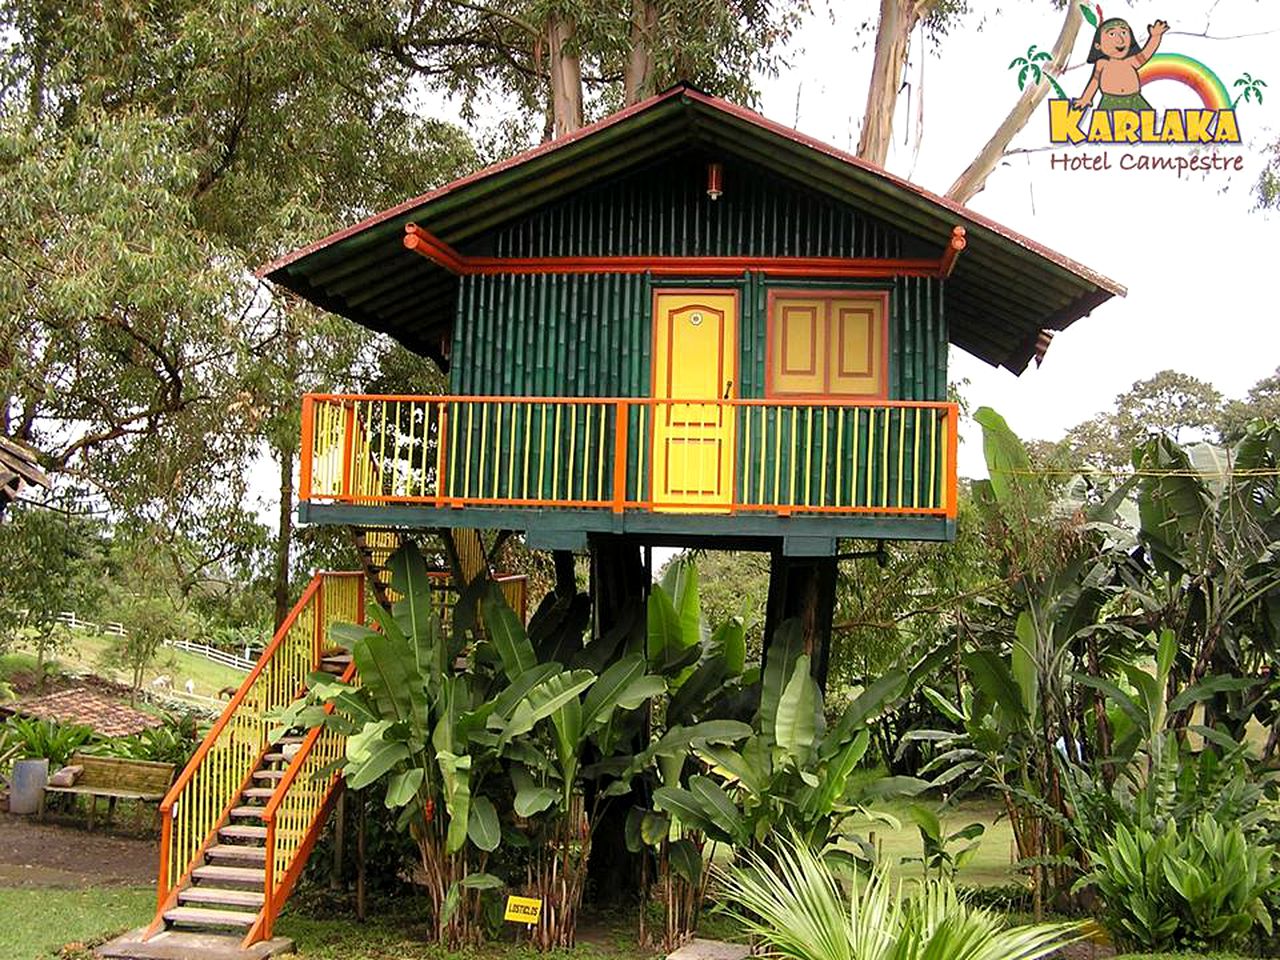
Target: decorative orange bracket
x,y
425,243
955,246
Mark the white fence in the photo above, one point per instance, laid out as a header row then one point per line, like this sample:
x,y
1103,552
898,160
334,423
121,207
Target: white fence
x,y
217,656
243,663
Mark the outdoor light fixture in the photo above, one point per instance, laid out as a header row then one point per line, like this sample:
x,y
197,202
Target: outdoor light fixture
x,y
715,175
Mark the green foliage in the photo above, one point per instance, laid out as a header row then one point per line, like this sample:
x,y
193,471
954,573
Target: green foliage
x,y
24,738
173,742
790,899
55,560
1193,886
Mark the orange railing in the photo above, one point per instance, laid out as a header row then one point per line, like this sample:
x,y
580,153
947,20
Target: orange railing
x,y
770,456
296,814
200,800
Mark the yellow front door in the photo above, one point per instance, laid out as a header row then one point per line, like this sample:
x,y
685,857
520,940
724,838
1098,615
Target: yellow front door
x,y
695,350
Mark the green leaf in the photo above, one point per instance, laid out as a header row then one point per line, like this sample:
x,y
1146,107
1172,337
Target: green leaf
x,y
482,824
642,689
603,697
992,675
780,658
795,727
1089,15
1209,687
684,806
722,810
456,773
482,881
664,637
686,861
403,787
379,758
385,672
507,634
1008,465
414,614
533,800
730,639
1023,662
654,828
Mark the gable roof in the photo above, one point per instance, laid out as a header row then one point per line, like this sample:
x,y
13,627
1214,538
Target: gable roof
x,y
1005,291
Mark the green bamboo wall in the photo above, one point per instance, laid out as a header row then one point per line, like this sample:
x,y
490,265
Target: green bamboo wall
x,y
576,335
591,335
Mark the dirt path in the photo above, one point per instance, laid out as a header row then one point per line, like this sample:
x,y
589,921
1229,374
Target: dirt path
x,y
43,855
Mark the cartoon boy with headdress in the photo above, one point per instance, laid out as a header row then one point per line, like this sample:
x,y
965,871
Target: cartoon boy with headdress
x,y
1116,57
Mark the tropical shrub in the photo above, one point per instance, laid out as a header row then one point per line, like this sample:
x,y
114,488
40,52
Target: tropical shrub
x,y
28,738
1197,887
175,741
481,745
791,900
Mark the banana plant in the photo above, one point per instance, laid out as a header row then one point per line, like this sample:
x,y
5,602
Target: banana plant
x,y
436,716
791,771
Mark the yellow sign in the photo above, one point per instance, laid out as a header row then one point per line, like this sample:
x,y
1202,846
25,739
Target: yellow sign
x,y
523,910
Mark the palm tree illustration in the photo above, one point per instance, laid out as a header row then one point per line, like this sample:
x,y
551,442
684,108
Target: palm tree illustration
x,y
1031,68
1252,89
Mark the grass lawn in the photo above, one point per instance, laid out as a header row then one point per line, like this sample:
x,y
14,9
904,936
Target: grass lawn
x,y
991,865
91,652
38,922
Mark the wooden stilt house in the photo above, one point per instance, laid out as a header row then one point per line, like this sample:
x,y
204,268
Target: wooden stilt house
x,y
684,325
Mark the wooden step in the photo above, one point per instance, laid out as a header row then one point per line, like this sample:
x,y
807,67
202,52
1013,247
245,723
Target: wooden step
x,y
259,793
289,739
273,757
218,897
236,852
268,774
247,813
240,832
247,876
190,916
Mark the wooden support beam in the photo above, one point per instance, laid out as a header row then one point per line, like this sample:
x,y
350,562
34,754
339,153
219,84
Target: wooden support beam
x,y
955,246
426,244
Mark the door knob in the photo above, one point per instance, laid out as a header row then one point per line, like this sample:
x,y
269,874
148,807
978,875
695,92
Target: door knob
x,y
728,388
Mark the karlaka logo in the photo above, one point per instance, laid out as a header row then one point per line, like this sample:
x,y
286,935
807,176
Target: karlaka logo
x,y
1122,71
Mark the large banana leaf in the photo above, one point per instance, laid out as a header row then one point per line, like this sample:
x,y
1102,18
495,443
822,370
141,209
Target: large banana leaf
x,y
455,772
507,634
387,670
681,583
603,697
1008,465
795,728
873,700
665,640
370,756
779,660
414,614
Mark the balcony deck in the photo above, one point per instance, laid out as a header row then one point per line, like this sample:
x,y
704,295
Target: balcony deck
x,y
672,471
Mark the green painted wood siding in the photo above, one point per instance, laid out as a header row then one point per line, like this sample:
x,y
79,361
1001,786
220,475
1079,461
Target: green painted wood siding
x,y
576,335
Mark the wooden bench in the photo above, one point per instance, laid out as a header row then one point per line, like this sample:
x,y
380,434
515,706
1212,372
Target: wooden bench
x,y
115,779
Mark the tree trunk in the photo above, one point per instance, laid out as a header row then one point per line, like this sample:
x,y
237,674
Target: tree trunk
x,y
638,80
566,76
974,179
893,38
803,587
284,535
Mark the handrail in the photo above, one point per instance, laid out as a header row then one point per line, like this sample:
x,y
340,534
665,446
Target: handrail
x,y
782,455
224,763
284,861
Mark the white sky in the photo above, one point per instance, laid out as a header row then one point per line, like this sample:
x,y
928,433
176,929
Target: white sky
x,y
1201,267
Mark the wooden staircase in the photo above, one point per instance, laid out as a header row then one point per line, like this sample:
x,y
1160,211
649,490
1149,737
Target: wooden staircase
x,y
241,819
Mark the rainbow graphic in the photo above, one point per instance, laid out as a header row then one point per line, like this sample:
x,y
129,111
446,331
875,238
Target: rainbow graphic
x,y
1189,72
